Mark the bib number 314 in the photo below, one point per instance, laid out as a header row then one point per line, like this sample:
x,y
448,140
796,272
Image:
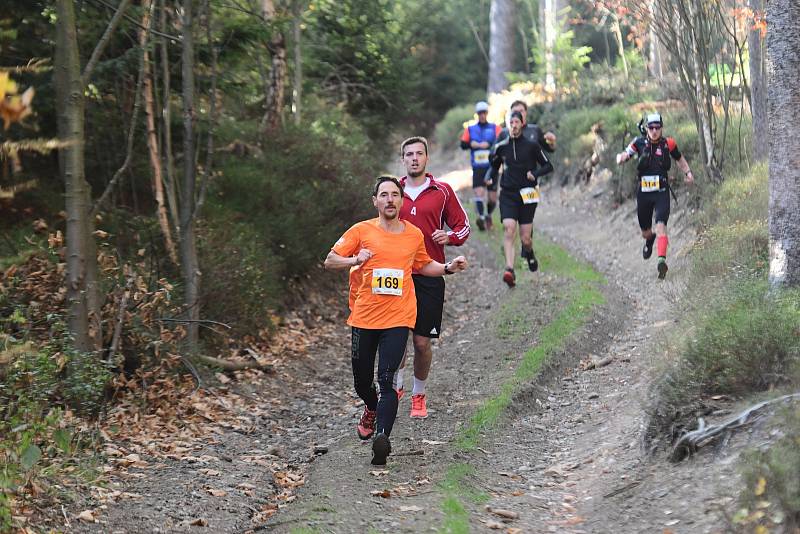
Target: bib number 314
x,y
387,282
651,183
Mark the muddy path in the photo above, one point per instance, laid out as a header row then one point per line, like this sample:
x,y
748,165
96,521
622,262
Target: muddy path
x,y
564,454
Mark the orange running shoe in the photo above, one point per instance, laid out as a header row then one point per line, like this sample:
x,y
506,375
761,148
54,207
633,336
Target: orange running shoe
x,y
418,408
366,425
400,393
509,277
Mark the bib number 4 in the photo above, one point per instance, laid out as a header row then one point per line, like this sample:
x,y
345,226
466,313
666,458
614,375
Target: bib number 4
x,y
481,156
387,282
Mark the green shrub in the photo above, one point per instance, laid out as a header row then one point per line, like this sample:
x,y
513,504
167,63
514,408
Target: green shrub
x,y
272,218
734,337
735,239
448,130
771,494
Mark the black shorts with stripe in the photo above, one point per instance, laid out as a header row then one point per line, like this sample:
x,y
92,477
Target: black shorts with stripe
x,y
430,303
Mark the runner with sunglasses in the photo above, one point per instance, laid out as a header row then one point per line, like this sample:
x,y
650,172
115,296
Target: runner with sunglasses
x,y
654,152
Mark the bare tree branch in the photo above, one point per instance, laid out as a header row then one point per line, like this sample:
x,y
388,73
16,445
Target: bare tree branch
x,y
137,103
101,44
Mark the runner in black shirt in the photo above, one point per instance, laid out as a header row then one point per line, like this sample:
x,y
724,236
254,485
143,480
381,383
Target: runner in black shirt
x,y
523,163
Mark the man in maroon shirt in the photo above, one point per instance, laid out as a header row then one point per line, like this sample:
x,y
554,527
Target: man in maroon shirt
x,y
429,205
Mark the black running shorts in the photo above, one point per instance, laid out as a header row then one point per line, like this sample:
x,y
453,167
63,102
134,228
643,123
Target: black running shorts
x,y
512,207
430,303
647,203
478,177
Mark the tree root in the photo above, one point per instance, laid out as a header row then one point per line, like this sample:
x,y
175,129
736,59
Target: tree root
x,y
691,441
227,365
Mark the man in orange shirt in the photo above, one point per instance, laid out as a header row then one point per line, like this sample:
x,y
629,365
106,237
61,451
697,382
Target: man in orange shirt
x,y
385,307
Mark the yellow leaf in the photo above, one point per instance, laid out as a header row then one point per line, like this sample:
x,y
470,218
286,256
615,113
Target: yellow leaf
x,y
761,486
761,529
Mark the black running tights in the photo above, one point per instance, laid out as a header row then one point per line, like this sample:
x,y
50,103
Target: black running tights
x,y
390,344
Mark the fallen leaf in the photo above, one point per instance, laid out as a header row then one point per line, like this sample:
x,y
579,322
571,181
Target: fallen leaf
x,y
379,473
432,442
761,486
216,492
385,493
199,522
87,515
517,493
210,472
513,530
508,514
222,378
411,508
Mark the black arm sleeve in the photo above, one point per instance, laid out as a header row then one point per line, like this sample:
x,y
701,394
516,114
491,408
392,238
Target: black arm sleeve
x,y
545,167
541,140
494,166
464,145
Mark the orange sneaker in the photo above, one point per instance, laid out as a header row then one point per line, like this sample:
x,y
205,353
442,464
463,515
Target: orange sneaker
x,y
400,393
418,408
366,425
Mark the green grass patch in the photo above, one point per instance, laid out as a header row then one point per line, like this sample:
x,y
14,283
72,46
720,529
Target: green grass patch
x,y
457,489
579,302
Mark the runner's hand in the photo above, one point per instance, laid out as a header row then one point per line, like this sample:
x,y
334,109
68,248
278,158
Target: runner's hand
x,y
550,138
440,237
458,264
532,178
363,255
620,161
689,177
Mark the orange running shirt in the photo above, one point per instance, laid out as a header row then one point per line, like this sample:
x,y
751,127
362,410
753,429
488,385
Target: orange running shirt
x,y
385,297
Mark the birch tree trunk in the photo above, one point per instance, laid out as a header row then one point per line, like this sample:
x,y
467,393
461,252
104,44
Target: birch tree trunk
x,y
79,240
152,140
549,23
501,44
188,245
758,89
783,86
276,86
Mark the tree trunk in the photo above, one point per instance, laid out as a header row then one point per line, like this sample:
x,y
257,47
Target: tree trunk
x,y
79,240
550,26
152,143
617,31
276,87
656,63
758,89
188,245
297,91
501,44
166,117
783,85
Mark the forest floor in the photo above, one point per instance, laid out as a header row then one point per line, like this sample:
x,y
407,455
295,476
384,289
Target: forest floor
x,y
565,453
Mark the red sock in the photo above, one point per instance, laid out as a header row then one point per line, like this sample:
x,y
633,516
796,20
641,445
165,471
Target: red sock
x,y
661,245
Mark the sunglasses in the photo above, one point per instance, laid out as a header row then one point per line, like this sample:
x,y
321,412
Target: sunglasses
x,y
654,127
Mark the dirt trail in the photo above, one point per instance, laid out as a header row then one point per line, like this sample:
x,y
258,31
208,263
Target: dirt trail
x,y
566,456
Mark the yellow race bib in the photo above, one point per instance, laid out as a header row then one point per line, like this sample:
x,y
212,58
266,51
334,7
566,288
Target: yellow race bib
x,y
481,156
530,195
651,183
387,282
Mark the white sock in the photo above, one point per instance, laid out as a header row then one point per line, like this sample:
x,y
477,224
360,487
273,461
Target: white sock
x,y
419,387
397,381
